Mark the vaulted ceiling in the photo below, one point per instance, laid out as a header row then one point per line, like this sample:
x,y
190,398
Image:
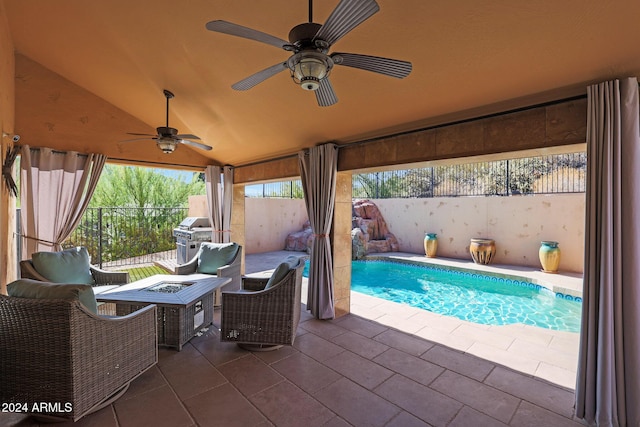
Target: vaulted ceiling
x,y
466,55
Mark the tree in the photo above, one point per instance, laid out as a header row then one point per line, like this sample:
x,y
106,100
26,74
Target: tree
x,y
133,211
128,186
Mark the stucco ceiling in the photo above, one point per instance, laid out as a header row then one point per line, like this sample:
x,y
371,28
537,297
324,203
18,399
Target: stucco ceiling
x,y
466,54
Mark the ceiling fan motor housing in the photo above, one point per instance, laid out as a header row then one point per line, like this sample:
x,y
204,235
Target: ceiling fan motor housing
x,y
310,62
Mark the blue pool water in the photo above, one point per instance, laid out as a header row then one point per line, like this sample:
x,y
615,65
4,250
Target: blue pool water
x,y
476,298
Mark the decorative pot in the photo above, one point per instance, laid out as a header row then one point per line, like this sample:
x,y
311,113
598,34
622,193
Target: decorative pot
x,y
482,250
549,254
430,244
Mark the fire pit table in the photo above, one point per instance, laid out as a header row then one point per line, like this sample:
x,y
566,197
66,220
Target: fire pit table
x,y
185,303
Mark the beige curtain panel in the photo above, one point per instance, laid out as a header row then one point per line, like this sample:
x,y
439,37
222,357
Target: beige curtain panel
x,y
55,190
220,200
318,168
608,380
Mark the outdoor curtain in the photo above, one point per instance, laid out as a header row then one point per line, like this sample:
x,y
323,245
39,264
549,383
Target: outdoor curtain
x,y
608,380
55,190
318,167
220,199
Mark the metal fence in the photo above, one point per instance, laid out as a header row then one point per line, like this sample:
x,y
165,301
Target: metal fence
x,y
283,190
559,173
562,173
117,236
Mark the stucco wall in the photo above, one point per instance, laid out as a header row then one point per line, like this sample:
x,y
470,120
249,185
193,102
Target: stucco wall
x,y
516,223
267,221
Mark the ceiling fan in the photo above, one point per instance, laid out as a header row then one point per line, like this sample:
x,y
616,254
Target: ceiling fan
x,y
311,64
167,137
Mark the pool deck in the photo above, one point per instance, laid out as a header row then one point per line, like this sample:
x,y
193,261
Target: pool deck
x,y
542,353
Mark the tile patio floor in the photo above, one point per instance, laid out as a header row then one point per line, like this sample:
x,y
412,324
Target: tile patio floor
x,y
381,365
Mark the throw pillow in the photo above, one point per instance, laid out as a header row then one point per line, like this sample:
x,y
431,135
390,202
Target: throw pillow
x,y
214,255
28,288
68,266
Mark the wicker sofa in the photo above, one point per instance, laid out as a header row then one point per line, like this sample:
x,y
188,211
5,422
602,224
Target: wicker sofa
x,y
59,352
264,315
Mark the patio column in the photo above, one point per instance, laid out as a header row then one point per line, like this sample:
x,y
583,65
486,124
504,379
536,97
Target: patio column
x,y
341,238
237,220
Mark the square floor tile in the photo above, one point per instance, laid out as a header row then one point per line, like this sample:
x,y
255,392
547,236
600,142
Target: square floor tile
x,y
462,363
159,407
404,342
250,375
306,373
477,395
358,369
286,405
356,404
410,366
316,347
423,402
360,345
223,406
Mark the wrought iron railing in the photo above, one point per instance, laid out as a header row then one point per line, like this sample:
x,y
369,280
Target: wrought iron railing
x,y
561,173
117,236
558,173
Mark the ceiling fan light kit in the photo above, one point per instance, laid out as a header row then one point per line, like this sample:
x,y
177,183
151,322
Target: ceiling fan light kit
x,y
308,68
310,64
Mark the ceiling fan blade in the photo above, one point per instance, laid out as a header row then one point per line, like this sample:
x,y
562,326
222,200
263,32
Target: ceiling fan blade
x,y
140,134
325,94
139,139
245,32
187,136
345,17
259,77
195,144
387,66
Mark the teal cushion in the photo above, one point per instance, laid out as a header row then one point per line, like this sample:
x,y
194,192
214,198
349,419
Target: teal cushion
x,y
68,266
292,260
278,274
215,255
28,288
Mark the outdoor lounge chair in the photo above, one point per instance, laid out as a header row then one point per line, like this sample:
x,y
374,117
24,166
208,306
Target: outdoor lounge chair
x,y
264,315
59,359
70,266
218,259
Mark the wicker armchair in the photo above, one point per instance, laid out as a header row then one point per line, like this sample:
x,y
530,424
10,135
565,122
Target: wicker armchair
x,y
58,353
101,277
231,270
263,319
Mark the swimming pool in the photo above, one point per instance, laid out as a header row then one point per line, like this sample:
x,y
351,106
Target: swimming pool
x,y
468,296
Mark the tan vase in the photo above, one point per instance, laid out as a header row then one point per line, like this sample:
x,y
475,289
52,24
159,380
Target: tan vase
x,y
482,250
430,244
549,255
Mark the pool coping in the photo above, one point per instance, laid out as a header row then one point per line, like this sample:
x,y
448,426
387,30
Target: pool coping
x,y
561,283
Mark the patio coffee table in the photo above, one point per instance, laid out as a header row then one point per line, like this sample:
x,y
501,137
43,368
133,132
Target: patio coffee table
x,y
185,303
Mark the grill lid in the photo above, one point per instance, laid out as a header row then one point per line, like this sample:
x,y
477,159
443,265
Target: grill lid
x,y
193,221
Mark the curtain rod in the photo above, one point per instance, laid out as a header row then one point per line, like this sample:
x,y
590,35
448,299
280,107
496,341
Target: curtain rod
x,y
52,150
169,165
455,122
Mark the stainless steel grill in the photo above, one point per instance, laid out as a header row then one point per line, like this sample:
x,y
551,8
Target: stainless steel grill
x,y
190,234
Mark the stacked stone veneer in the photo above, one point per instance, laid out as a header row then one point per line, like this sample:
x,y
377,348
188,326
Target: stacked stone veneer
x,y
369,233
